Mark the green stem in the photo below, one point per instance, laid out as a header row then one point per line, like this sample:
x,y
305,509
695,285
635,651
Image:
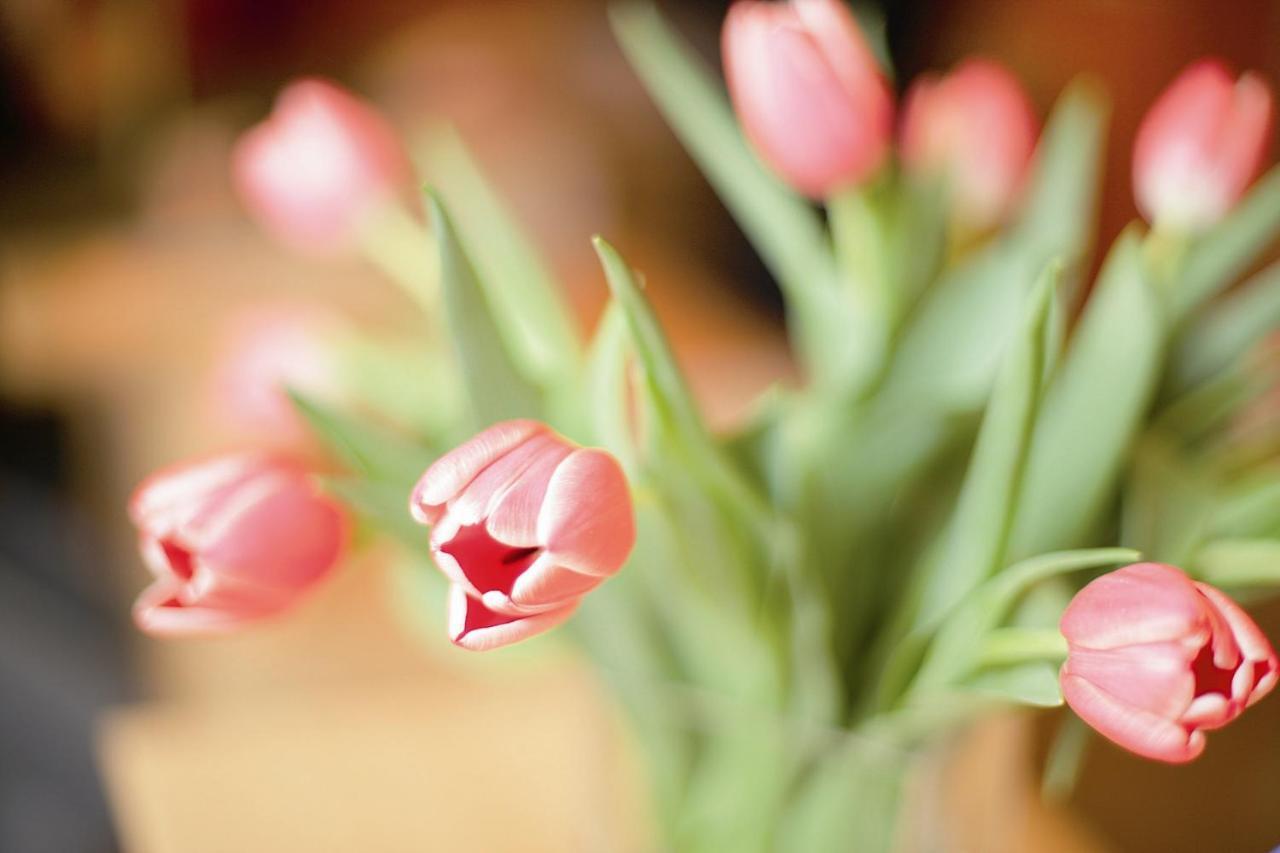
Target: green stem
x,y
859,234
1008,646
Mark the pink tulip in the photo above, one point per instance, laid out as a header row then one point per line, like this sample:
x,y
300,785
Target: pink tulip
x,y
268,351
975,129
319,165
1200,145
808,91
524,523
231,540
1157,659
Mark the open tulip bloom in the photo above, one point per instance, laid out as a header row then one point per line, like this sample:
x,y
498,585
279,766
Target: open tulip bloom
x,y
794,610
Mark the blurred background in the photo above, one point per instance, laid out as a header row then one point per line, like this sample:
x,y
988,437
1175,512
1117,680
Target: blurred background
x,y
126,266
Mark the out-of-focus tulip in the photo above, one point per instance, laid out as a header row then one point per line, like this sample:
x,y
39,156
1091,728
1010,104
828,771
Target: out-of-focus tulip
x,y
322,162
808,91
268,351
231,540
1157,659
524,523
975,130
1200,145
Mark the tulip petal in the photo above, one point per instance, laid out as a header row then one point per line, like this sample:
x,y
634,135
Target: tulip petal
x,y
595,542
1138,731
169,498
1155,677
159,611
485,492
474,627
1253,644
451,473
514,518
1138,604
546,583
241,543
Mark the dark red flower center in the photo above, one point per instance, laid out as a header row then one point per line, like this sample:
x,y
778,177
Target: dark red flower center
x,y
1211,678
490,565
479,616
181,560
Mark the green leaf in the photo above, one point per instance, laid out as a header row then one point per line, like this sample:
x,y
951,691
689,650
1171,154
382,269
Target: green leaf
x,y
1234,245
607,389
497,389
956,647
1227,331
373,451
1066,755
525,296
1168,502
1058,214
407,383
979,529
1239,563
677,425
783,227
1249,509
951,346
1034,684
1092,408
668,391
384,504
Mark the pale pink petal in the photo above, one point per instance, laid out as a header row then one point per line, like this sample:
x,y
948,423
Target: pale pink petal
x,y
586,521
1209,711
835,32
514,517
320,163
1200,145
976,130
545,583
808,93
1138,731
277,532
159,611
1155,677
480,499
169,498
1138,604
451,473
472,626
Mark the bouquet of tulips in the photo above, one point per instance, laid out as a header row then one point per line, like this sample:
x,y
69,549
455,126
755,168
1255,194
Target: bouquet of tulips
x,y
995,483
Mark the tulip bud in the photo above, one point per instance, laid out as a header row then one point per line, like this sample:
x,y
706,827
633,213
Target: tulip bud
x,y
1200,145
319,165
269,351
808,91
524,523
1156,659
231,540
975,130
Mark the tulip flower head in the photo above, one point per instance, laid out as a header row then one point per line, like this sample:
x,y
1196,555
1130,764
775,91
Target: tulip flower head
x,y
319,165
1156,659
975,130
231,540
1199,146
268,351
808,91
524,523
